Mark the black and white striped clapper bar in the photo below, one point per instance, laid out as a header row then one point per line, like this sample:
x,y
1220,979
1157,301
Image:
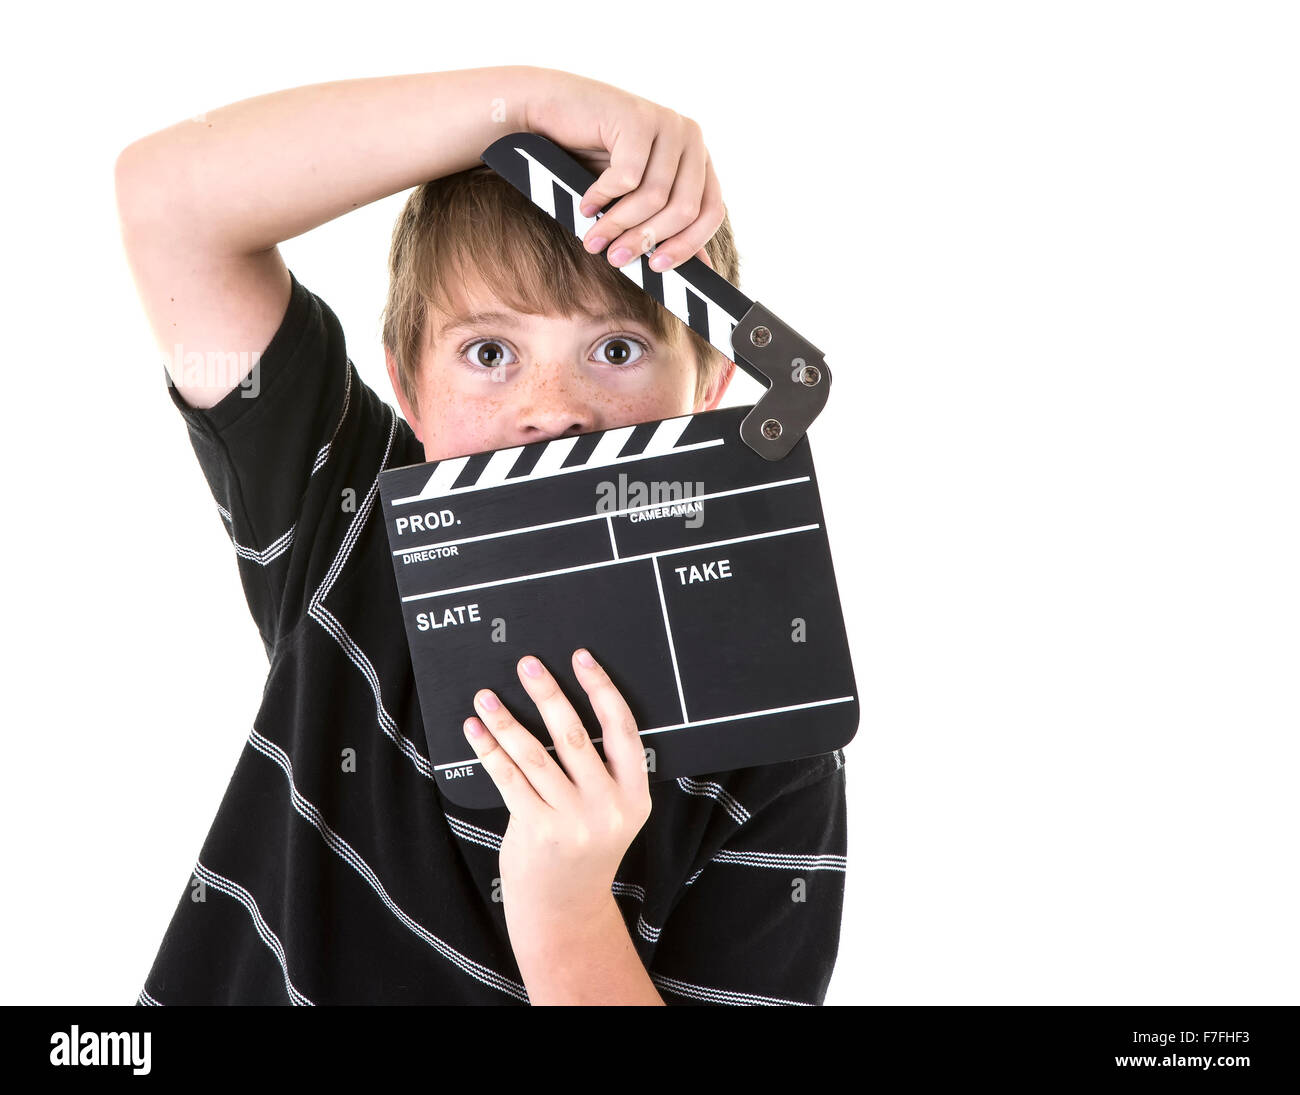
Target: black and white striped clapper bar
x,y
689,555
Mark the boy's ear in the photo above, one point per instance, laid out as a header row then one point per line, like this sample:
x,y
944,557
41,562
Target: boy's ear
x,y
717,388
413,420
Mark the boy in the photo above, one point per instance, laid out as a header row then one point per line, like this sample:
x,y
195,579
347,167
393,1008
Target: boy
x,y
335,872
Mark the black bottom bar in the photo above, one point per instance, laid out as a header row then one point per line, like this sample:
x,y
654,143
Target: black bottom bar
x,y
1244,1045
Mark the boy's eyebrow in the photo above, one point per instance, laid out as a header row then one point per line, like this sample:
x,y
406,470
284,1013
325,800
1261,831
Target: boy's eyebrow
x,y
511,319
474,319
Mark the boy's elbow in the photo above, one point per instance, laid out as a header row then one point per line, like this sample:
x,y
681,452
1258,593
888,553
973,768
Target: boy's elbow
x,y
140,187
126,182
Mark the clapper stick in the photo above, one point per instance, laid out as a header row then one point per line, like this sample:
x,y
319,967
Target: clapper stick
x,y
791,368
689,555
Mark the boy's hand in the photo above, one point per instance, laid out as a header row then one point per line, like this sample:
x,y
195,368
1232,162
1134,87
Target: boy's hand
x,y
569,828
650,157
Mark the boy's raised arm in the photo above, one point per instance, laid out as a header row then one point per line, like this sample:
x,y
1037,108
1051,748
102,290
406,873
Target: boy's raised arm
x,y
203,203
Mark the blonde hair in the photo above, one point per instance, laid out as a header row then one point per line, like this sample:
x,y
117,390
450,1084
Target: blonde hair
x,y
475,222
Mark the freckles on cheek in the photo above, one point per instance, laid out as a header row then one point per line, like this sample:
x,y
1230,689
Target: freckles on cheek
x,y
665,394
461,418
664,389
641,407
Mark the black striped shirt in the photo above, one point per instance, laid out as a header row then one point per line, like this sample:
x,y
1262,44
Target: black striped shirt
x,y
325,882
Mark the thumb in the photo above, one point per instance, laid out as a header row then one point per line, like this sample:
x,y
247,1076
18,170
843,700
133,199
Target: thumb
x,y
628,155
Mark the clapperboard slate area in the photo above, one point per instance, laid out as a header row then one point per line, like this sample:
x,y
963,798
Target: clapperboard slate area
x,y
707,593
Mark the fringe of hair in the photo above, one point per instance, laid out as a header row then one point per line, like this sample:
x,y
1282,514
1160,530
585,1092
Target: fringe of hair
x,y
474,225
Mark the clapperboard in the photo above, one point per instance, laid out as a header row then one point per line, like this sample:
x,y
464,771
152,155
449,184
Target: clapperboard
x,y
689,555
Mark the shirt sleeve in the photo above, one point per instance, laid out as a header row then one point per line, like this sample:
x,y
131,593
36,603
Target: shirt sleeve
x,y
280,453
759,921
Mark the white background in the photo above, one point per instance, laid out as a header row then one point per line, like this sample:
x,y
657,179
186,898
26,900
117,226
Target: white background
x,y
1052,254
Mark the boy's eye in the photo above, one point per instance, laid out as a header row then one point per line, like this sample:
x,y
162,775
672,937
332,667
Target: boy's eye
x,y
489,354
619,350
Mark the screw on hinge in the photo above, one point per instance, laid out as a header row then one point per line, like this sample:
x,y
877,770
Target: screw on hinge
x,y
760,336
771,429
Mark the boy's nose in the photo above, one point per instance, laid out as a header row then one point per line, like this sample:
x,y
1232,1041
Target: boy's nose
x,y
547,425
553,410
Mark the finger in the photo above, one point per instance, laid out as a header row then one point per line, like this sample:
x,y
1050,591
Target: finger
x,y
680,214
706,219
627,163
572,742
520,797
703,256
624,752
534,763
625,160
660,206
622,225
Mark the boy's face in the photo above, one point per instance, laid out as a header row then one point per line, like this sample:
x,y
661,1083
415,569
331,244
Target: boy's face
x,y
496,381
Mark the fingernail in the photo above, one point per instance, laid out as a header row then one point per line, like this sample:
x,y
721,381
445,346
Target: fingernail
x,y
488,701
472,728
588,210
660,262
620,257
585,659
532,667
596,243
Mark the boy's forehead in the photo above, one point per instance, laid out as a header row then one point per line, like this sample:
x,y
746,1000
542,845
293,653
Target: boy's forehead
x,y
476,303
